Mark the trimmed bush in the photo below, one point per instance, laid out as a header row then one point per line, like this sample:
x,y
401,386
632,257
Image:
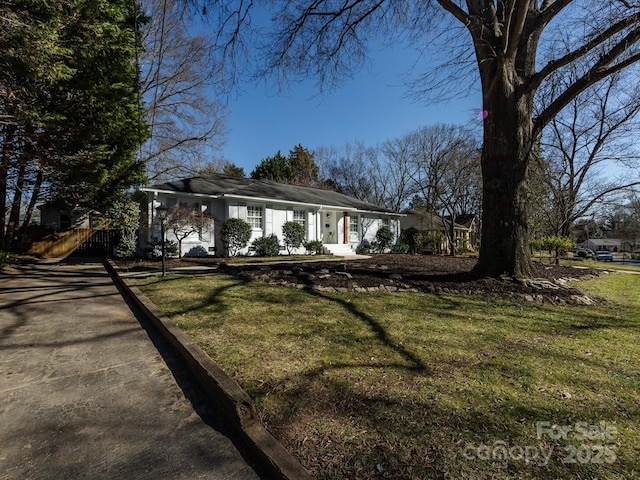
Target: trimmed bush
x,y
292,235
154,249
266,246
235,234
384,240
313,247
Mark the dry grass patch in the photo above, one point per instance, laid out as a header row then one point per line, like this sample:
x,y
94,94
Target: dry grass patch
x,y
420,386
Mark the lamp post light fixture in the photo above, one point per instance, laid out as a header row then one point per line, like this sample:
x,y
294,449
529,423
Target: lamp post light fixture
x,y
161,213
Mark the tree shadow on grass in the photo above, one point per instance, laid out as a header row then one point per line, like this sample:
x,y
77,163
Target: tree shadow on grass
x,y
415,363
353,427
215,296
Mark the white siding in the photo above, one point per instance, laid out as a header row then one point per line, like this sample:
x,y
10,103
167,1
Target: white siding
x,y
369,227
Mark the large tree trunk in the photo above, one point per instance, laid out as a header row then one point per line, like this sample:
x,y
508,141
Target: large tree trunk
x,y
505,159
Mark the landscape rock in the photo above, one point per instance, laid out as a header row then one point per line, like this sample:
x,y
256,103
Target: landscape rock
x,y
419,273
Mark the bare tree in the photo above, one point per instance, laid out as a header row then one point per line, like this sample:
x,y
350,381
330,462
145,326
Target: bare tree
x,y
351,169
399,170
185,221
380,174
518,46
593,136
622,221
447,172
180,80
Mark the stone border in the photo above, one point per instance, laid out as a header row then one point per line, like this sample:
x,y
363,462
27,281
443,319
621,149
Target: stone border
x,y
222,389
542,290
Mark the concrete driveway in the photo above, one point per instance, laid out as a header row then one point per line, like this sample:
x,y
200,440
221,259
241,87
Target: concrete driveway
x,y
88,390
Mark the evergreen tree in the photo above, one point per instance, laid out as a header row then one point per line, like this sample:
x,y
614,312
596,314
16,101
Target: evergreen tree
x,y
304,170
70,117
274,168
299,167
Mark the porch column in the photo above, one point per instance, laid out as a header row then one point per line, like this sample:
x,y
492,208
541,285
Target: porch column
x,y
345,238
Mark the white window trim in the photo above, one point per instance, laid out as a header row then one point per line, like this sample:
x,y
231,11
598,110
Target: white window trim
x,y
252,218
354,221
303,220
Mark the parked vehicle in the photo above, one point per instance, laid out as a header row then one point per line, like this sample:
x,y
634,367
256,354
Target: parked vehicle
x,y
584,253
604,256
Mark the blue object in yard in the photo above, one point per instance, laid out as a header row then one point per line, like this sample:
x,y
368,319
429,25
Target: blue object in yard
x,y
604,256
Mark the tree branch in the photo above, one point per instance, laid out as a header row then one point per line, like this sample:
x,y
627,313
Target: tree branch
x,y
456,11
570,57
597,72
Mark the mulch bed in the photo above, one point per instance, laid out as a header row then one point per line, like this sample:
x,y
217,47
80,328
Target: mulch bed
x,y
393,273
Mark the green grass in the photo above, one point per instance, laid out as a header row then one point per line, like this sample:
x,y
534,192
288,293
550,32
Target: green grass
x,y
368,385
602,265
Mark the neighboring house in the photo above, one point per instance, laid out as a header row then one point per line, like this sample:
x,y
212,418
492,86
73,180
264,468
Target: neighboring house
x,y
429,224
339,221
467,227
60,217
608,244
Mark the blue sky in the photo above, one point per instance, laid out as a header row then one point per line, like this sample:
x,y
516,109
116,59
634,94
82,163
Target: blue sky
x,y
372,108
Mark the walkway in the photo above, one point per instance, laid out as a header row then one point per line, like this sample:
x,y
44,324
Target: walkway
x,y
89,391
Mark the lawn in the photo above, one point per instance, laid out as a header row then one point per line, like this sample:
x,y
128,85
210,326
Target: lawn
x,y
413,385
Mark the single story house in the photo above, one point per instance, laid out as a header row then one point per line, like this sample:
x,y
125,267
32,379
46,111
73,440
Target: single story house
x,y
429,224
609,244
340,222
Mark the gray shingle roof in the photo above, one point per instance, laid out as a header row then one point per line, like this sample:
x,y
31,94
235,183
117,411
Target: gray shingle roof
x,y
224,185
422,219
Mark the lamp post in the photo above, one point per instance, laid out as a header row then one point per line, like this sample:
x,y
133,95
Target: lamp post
x,y
162,212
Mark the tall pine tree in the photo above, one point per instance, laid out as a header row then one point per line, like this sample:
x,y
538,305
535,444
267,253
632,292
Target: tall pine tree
x,y
70,113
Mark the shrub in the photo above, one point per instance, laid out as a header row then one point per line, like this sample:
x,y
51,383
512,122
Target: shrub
x,y
235,234
293,235
266,246
154,249
124,216
363,248
412,238
384,240
197,251
400,248
5,258
433,242
313,247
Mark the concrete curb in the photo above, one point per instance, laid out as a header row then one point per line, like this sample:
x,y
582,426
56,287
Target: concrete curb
x,y
222,389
